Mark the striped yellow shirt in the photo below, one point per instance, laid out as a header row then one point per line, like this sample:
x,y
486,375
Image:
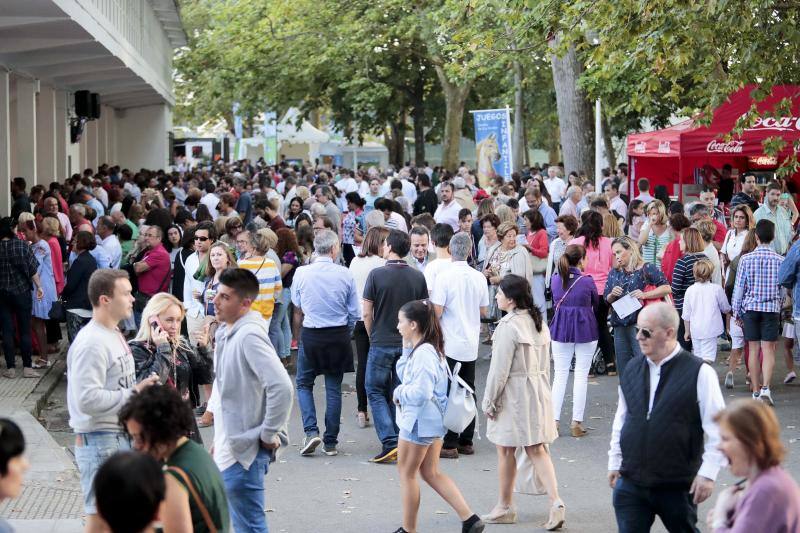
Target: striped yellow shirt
x,y
269,283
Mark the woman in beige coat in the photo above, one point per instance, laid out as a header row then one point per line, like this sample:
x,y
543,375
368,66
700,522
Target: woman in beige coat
x,y
517,399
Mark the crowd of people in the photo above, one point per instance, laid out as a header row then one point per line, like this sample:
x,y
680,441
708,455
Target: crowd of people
x,y
219,283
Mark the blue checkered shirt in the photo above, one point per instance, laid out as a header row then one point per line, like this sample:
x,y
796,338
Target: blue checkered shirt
x,y
757,286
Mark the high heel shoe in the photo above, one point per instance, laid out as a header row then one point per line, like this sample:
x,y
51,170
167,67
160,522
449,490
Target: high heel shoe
x,y
501,516
558,515
577,429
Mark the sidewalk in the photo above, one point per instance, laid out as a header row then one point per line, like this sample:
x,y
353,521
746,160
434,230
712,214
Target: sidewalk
x,y
51,498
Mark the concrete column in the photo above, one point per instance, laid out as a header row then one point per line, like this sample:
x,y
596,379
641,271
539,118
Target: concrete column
x,y
112,136
5,143
46,135
62,135
102,136
26,129
83,159
92,133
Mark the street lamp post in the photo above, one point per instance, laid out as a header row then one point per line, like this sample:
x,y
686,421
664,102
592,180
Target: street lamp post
x,y
598,147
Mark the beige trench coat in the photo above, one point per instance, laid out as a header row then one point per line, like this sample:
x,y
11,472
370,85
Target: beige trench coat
x,y
518,384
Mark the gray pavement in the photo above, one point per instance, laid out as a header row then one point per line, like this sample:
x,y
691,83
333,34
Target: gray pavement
x,y
347,493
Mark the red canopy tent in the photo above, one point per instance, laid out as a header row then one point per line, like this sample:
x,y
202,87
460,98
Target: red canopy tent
x,y
670,156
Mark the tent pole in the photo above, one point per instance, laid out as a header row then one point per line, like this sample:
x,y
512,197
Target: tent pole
x,y
680,178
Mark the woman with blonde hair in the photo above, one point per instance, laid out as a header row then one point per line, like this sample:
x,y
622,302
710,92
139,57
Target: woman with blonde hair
x,y
611,227
655,234
633,277
159,348
767,500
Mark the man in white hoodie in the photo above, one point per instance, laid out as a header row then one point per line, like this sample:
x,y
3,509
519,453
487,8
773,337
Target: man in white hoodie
x,y
101,377
251,401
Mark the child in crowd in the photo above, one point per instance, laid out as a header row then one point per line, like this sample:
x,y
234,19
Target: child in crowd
x,y
703,307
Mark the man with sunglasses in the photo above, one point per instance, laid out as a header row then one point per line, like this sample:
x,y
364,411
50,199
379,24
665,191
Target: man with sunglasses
x,y
658,463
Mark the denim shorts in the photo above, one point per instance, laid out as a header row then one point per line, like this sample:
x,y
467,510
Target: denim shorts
x,y
94,449
414,438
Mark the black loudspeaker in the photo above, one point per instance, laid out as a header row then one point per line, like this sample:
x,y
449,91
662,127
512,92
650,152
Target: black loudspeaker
x,y
94,109
83,103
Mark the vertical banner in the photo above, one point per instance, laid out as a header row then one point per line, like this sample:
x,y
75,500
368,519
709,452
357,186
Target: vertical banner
x,y
270,137
238,147
492,144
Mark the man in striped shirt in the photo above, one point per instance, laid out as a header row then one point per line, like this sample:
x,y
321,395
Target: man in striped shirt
x,y
756,307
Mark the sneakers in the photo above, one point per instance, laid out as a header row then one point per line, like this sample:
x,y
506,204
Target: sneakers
x,y
310,444
293,346
386,456
10,373
448,453
363,420
200,410
729,380
756,395
330,450
30,373
791,376
766,396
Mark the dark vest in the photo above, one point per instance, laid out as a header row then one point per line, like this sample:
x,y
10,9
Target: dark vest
x,y
666,449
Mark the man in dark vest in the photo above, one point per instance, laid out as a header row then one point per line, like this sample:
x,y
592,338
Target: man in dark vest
x,y
659,464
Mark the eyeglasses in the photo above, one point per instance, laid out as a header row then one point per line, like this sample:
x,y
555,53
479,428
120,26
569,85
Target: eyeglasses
x,y
201,239
237,226
646,333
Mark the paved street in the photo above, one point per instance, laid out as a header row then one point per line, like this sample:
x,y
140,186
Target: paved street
x,y
346,493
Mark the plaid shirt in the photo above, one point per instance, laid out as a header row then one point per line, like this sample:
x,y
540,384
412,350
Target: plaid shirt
x,y
17,266
757,286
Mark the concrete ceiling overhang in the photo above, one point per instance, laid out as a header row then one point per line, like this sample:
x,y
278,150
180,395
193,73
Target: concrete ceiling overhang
x,y
40,40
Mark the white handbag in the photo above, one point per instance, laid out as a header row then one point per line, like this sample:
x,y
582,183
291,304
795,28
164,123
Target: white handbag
x,y
461,409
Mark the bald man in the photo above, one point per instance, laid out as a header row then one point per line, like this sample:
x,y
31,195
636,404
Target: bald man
x,y
667,402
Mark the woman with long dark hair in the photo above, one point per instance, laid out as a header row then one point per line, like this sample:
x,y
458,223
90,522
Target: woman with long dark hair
x,y
517,399
599,262
574,332
421,399
539,249
13,464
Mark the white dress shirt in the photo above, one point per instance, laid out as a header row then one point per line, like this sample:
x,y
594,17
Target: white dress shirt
x,y
710,402
194,307
618,205
557,187
112,248
448,214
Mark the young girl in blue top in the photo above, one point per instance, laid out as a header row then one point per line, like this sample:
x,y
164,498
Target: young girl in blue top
x,y
420,400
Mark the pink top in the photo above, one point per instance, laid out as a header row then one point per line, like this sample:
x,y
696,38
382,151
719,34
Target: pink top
x,y
770,505
599,261
58,263
538,243
156,279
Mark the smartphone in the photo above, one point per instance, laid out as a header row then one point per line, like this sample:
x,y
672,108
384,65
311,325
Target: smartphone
x,y
155,322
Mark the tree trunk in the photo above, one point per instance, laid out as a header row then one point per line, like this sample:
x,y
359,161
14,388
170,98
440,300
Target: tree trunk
x,y
518,140
396,142
418,115
574,112
455,98
611,154
526,161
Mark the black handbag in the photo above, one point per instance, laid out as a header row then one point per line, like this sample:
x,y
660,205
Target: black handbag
x,y
58,311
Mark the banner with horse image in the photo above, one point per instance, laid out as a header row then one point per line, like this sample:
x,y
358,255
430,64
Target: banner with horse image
x,y
492,144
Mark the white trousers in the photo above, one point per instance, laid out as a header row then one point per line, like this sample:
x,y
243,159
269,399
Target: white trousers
x,y
537,292
562,358
705,349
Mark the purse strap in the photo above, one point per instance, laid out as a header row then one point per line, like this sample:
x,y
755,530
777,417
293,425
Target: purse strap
x,y
200,505
567,292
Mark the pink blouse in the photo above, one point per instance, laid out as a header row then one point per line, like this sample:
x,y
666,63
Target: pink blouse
x,y
599,261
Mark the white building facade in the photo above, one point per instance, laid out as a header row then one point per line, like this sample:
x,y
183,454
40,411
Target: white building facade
x,y
119,49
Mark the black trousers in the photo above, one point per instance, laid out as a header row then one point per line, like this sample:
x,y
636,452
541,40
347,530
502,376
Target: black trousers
x,y
348,253
636,508
361,339
16,307
686,345
606,342
454,440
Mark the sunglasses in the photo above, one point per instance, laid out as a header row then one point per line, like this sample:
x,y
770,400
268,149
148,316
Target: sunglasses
x,y
646,333
201,239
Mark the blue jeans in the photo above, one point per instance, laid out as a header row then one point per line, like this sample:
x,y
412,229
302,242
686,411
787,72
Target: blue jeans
x,y
275,331
380,383
245,489
91,451
625,345
636,508
305,399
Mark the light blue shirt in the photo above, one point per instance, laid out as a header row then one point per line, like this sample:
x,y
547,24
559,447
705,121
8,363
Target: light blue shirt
x,y
549,216
100,211
788,276
100,256
326,292
783,226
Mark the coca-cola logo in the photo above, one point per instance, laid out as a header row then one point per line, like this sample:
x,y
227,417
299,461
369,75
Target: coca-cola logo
x,y
663,147
732,147
775,123
640,147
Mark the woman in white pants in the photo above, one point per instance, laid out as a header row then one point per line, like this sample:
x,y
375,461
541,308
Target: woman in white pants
x,y
574,332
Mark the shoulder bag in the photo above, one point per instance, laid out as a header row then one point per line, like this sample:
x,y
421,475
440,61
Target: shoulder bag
x,y
558,305
196,497
461,409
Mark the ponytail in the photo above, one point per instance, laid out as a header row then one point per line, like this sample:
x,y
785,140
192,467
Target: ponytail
x,y
422,312
571,257
518,289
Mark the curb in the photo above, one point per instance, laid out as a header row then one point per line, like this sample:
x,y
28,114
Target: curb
x,y
36,401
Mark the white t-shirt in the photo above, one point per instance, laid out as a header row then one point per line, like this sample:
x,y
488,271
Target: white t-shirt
x,y
396,221
433,269
360,267
223,455
462,299
732,245
556,187
347,185
448,214
703,306
210,200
